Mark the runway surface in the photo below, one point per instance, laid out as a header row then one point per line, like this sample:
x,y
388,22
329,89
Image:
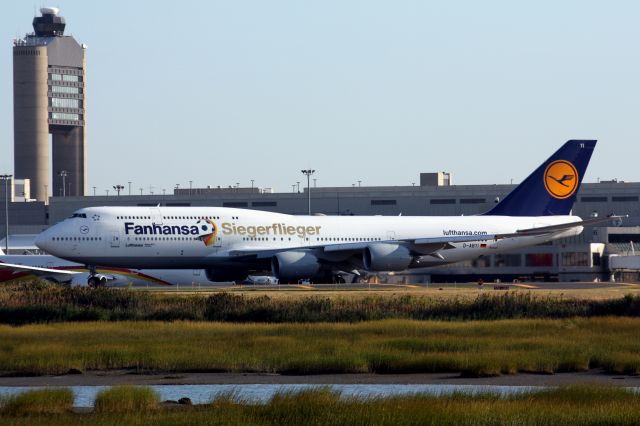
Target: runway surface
x,y
591,290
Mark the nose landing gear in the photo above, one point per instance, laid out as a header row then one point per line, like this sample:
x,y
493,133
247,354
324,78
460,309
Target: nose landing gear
x,y
95,280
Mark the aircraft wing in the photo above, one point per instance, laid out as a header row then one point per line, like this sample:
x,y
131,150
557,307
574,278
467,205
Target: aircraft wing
x,y
561,227
423,245
37,271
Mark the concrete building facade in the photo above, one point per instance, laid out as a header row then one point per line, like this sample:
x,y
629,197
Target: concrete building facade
x,y
49,98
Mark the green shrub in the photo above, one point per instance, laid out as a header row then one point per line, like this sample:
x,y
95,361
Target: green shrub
x,y
126,399
41,401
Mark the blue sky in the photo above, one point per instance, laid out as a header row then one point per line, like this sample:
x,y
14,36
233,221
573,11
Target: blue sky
x,y
224,92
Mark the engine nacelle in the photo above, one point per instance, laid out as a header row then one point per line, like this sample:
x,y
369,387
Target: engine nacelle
x,y
386,257
225,274
294,265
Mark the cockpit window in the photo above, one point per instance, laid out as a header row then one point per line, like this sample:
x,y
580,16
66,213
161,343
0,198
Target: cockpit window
x,y
82,215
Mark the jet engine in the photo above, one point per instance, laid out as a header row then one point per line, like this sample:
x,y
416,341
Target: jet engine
x,y
386,257
294,265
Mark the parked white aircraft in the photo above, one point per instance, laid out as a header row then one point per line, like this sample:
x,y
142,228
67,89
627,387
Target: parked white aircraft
x,y
232,243
51,268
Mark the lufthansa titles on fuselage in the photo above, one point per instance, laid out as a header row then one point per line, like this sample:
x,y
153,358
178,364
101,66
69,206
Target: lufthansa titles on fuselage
x,y
275,229
155,229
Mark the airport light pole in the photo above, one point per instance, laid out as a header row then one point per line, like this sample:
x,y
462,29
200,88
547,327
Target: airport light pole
x,y
6,211
190,187
118,188
63,174
308,173
94,191
129,187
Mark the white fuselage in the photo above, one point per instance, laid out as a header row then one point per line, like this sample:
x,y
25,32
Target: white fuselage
x,y
183,237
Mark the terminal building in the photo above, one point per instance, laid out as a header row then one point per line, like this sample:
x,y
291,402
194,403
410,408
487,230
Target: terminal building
x,y
49,99
585,257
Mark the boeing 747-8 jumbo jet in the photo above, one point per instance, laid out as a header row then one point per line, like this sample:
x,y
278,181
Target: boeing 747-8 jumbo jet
x,y
232,243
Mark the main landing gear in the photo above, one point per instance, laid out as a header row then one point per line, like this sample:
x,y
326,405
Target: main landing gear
x,y
95,280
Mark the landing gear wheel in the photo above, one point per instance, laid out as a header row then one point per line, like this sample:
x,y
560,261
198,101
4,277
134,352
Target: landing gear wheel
x,y
338,279
93,282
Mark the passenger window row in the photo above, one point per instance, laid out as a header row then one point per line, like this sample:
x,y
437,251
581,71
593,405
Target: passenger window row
x,y
166,217
76,238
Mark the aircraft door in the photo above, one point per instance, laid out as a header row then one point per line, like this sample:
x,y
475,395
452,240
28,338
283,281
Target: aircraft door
x,y
115,239
156,216
391,235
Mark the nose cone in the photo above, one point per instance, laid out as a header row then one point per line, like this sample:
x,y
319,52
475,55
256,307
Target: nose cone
x,y
44,241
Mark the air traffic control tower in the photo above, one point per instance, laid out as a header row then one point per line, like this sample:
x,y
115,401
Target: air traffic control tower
x,y
48,98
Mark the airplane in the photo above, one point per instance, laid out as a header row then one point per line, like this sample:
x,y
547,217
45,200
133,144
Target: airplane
x,y
51,268
230,244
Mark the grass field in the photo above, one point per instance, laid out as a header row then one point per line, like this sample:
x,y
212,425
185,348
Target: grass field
x,y
474,348
45,303
468,291
566,406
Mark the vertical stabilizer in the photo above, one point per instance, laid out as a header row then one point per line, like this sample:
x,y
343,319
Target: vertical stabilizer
x,y
551,189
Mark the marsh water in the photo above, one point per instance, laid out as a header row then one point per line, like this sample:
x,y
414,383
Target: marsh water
x,y
261,393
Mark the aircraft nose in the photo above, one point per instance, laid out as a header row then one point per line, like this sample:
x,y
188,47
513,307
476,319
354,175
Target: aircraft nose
x,y
43,241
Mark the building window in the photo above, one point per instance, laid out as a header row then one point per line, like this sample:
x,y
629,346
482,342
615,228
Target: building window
x,y
575,259
594,199
65,89
67,77
481,262
442,201
472,201
624,238
64,116
539,259
65,103
383,202
235,204
56,77
625,198
264,204
507,260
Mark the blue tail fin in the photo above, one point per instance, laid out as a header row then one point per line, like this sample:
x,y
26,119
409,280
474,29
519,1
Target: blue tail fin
x,y
551,189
